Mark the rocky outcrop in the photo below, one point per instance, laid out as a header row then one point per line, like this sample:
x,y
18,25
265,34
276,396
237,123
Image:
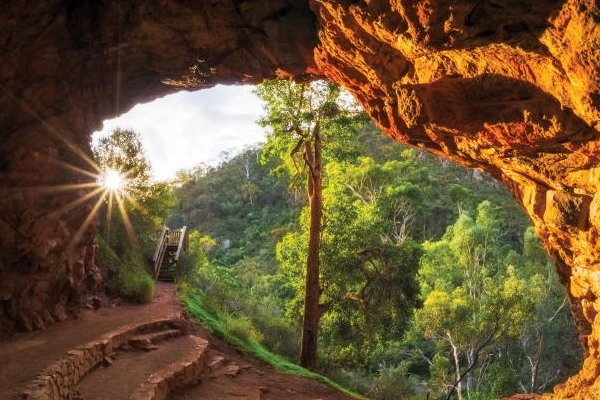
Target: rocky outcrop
x,y
507,86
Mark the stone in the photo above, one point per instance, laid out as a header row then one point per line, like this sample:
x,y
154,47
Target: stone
x,y
108,361
232,370
216,362
94,302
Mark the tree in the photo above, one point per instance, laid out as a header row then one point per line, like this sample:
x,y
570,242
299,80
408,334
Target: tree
x,y
300,118
548,355
141,204
368,256
473,297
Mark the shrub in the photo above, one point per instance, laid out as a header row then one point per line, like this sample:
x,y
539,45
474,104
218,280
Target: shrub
x,y
394,382
242,327
135,283
127,275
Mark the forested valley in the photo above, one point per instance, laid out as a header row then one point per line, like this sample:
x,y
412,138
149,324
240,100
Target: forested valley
x,y
431,282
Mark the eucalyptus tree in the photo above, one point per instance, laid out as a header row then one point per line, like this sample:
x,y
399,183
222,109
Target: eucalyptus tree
x,y
302,118
473,295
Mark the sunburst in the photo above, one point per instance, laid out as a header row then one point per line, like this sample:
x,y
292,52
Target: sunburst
x,y
112,180
97,187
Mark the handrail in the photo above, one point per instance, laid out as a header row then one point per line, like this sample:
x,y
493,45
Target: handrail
x,y
182,242
158,263
160,243
166,244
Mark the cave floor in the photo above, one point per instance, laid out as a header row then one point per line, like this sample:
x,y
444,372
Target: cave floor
x,y
23,356
229,374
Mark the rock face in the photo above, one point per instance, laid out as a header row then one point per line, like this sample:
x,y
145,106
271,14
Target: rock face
x,y
507,86
510,87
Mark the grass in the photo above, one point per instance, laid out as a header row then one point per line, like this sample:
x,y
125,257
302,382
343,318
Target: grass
x,y
196,309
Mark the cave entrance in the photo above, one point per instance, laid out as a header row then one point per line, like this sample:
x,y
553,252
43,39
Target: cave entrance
x,y
510,87
187,129
469,230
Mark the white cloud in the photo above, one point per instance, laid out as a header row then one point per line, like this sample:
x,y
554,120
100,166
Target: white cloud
x,y
185,129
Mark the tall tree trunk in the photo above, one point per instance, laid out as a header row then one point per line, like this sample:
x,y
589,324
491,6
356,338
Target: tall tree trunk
x,y
312,311
458,386
535,367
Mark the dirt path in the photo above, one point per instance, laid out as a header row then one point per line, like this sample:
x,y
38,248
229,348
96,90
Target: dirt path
x,y
25,355
231,375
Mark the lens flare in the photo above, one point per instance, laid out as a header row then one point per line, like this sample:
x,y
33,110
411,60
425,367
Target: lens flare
x,y
112,180
110,187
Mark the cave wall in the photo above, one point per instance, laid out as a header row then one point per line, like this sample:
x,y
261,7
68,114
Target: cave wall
x,y
508,86
65,66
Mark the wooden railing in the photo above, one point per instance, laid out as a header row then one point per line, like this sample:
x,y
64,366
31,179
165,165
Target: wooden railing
x,y
183,242
161,240
170,240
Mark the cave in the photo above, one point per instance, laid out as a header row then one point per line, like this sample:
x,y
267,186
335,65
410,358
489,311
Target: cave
x,y
509,87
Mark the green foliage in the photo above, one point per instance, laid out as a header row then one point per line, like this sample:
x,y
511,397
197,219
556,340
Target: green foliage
x,y
131,215
394,382
476,301
292,111
412,245
210,201
131,278
122,151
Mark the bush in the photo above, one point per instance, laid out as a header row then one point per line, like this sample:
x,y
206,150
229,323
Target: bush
x,y
279,335
134,281
242,327
394,382
127,275
353,380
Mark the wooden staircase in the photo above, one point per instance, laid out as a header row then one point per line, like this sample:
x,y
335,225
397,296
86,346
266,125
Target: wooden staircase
x,y
171,244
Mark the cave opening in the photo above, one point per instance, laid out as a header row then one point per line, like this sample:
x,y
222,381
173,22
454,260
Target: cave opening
x,y
229,235
508,87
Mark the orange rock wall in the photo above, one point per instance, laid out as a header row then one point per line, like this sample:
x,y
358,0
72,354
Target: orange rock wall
x,y
508,86
511,87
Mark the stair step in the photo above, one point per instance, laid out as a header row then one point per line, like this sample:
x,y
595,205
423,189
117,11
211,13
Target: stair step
x,y
60,379
148,340
131,371
181,373
216,362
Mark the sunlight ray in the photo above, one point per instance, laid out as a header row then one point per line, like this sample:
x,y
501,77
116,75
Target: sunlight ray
x,y
135,204
50,129
78,169
71,187
126,220
135,190
71,205
109,211
86,223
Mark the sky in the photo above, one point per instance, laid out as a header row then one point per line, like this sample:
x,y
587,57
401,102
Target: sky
x,y
185,129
